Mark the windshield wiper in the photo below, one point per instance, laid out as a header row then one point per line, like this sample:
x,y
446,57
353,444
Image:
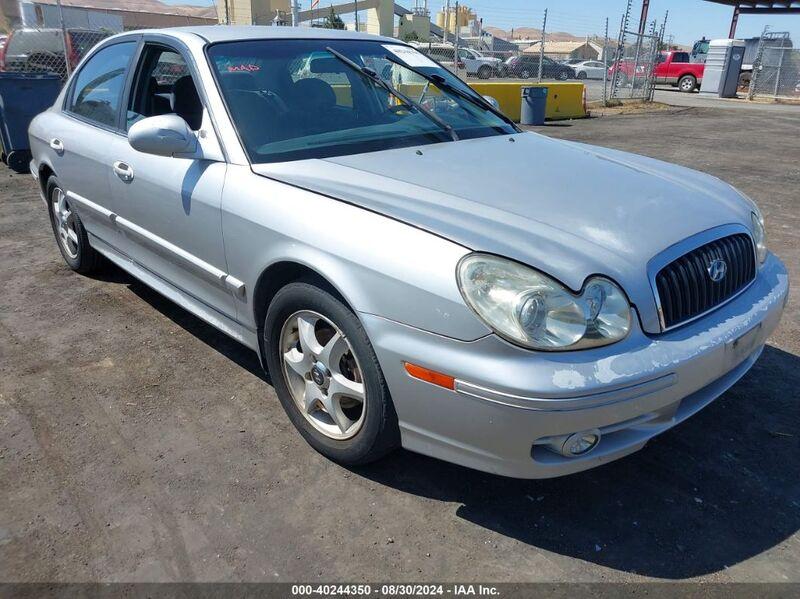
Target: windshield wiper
x,y
441,82
375,78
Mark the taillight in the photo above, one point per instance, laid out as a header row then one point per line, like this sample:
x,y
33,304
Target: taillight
x,y
3,51
72,54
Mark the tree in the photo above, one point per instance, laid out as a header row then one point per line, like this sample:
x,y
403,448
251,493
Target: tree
x,y
333,21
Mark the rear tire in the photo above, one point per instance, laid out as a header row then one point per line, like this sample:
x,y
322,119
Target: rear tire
x,y
18,161
687,84
303,320
71,236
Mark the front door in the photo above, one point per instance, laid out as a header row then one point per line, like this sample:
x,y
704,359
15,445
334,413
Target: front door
x,y
171,206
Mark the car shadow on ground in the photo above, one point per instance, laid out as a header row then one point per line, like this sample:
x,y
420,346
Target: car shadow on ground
x,y
230,348
719,489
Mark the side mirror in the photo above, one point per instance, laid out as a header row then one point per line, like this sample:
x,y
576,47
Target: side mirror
x,y
163,135
491,100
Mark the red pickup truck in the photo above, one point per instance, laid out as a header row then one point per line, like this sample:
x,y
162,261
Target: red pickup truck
x,y
672,68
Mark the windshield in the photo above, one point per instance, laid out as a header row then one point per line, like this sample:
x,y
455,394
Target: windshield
x,y
294,99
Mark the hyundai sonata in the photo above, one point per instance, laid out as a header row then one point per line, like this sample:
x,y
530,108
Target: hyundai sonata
x,y
411,268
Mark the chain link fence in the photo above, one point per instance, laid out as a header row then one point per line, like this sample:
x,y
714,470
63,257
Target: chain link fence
x,y
52,36
776,70
46,36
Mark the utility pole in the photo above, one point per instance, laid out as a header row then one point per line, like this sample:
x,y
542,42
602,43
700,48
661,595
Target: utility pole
x,y
227,14
643,18
541,47
64,37
295,12
605,66
458,39
356,3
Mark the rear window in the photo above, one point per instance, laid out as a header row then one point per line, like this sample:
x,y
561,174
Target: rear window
x,y
28,41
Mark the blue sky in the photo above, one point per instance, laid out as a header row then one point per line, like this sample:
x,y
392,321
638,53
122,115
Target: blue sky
x,y
688,21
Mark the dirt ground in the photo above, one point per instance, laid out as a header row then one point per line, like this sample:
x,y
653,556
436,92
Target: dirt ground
x,y
138,444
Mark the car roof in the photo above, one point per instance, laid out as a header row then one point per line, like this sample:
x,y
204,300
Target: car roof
x,y
228,33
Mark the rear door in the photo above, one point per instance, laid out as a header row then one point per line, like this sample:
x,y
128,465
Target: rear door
x,y
81,135
595,69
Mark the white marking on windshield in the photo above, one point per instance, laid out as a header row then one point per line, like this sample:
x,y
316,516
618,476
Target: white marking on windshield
x,y
410,56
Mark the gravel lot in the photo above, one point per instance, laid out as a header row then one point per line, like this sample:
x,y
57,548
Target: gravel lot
x,y
138,444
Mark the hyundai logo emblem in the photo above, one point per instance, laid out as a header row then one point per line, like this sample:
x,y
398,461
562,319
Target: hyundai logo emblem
x,y
717,270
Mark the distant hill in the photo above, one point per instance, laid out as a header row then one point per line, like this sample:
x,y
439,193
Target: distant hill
x,y
533,34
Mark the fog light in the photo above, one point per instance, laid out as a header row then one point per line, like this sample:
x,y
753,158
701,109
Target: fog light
x,y
580,443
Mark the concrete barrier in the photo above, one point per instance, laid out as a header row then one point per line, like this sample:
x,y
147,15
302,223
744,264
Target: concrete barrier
x,y
564,100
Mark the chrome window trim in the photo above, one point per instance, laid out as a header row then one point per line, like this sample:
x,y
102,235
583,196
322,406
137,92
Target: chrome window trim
x,y
70,87
685,246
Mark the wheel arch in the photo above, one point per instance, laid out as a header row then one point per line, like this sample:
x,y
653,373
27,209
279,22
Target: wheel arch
x,y
279,274
45,172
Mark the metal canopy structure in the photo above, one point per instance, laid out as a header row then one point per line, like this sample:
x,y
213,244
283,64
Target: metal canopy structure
x,y
767,7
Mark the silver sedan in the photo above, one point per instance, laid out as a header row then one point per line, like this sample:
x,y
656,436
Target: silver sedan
x,y
411,268
589,69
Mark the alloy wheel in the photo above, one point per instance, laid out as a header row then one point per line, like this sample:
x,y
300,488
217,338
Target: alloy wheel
x,y
323,375
65,223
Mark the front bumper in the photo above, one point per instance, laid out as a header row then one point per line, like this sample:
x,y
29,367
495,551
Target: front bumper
x,y
510,404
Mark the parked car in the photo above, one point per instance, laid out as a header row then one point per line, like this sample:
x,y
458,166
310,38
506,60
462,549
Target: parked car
x,y
444,54
42,50
671,68
481,66
526,66
409,273
589,69
475,63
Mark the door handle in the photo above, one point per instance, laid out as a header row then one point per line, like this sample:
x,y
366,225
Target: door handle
x,y
123,171
57,145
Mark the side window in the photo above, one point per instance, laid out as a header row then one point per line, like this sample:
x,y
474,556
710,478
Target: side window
x,y
680,57
164,85
98,86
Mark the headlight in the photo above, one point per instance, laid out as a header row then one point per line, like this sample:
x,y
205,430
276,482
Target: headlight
x,y
527,307
759,236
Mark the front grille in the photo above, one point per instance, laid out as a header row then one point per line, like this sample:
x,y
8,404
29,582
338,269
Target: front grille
x,y
685,287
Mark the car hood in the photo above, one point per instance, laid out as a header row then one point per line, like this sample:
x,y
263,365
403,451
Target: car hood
x,y
568,209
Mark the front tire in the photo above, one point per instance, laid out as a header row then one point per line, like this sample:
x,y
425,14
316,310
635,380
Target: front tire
x,y
581,75
71,236
484,72
327,376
